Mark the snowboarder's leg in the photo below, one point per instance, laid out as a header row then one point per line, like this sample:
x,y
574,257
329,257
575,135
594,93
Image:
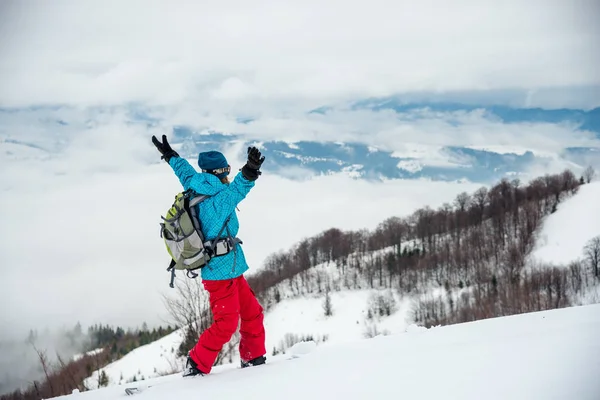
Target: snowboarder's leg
x,y
224,303
252,331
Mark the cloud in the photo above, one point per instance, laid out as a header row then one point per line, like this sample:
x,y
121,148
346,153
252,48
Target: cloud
x,y
416,133
81,207
92,140
169,53
81,218
82,224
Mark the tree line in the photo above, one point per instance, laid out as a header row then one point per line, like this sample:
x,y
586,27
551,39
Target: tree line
x,y
475,248
100,346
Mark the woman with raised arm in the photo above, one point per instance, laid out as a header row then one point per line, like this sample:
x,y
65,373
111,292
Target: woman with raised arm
x,y
231,298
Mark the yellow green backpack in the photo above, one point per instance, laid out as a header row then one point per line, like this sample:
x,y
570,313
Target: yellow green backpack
x,y
185,242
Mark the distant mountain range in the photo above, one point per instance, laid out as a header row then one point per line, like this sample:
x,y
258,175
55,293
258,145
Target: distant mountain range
x,y
359,159
451,162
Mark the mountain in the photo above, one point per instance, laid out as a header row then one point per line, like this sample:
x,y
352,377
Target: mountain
x,y
543,355
334,304
375,139
563,233
487,254
489,159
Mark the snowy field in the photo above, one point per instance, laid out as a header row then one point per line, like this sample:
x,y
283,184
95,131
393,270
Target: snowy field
x,y
545,355
565,233
299,316
154,359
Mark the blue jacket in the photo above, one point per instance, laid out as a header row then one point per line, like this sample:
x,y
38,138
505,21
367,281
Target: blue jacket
x,y
213,212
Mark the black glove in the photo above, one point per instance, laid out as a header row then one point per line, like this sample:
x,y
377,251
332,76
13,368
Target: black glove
x,y
164,148
251,169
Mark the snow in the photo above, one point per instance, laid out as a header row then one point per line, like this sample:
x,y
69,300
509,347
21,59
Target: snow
x,y
305,316
417,155
89,353
544,355
285,323
410,165
565,233
152,360
512,149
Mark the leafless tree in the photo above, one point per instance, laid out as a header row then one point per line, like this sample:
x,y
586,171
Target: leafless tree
x,y
589,174
592,254
480,241
46,367
189,309
327,306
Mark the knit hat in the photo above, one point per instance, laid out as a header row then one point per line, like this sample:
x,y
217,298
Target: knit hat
x,y
215,163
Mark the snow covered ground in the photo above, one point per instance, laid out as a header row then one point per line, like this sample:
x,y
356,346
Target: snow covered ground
x,y
348,322
301,317
298,317
565,233
545,355
154,359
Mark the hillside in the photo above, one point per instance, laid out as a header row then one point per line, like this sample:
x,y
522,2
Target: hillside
x,y
461,262
468,261
369,295
564,233
543,355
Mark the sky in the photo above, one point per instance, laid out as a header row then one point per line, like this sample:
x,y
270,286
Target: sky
x,y
221,54
87,197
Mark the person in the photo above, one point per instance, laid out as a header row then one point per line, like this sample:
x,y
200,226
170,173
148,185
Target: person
x,y
231,298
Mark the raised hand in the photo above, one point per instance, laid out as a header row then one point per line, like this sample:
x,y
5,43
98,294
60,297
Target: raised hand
x,y
254,158
165,148
252,167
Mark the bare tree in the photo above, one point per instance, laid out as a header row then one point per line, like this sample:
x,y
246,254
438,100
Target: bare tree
x,y
461,201
327,306
45,367
189,309
589,174
103,380
480,199
592,253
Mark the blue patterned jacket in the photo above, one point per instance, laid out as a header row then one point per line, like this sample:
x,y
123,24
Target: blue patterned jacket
x,y
213,212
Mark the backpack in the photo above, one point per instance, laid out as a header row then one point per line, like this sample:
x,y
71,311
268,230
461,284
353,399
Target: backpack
x,y
183,237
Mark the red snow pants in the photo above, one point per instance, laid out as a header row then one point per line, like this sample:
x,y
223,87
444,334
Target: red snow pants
x,y
231,300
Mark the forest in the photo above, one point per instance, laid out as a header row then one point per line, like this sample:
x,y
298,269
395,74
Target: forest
x,y
98,347
474,251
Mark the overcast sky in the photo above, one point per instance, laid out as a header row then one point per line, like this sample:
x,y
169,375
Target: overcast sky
x,y
170,52
80,223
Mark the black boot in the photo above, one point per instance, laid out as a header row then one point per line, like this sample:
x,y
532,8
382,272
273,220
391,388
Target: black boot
x,y
191,368
254,362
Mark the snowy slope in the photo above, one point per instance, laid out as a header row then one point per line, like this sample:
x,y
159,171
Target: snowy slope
x,y
154,359
545,355
305,316
565,233
301,317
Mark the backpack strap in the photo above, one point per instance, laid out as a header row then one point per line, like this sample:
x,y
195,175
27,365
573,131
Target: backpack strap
x,y
194,213
172,269
213,245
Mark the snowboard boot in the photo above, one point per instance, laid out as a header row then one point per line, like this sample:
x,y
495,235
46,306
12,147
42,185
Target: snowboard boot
x,y
254,362
191,368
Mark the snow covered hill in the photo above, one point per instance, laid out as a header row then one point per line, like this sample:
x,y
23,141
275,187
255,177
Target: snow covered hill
x,y
152,360
545,355
300,315
565,233
286,323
